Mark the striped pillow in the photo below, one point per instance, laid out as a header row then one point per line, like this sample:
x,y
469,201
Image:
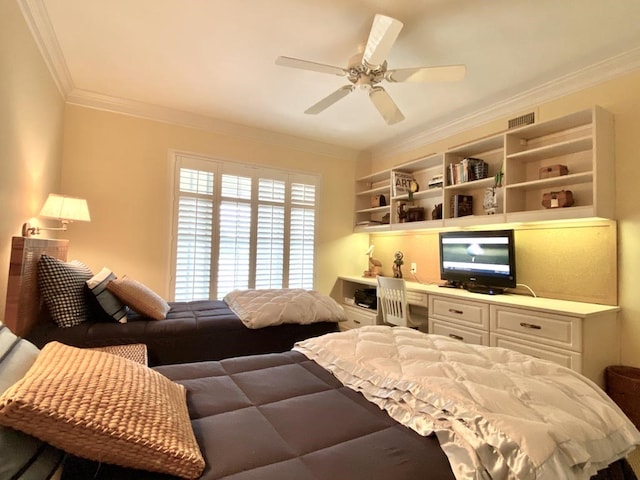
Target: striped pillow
x,y
111,305
21,456
62,287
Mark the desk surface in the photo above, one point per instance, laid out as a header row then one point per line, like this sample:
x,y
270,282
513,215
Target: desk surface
x,y
550,305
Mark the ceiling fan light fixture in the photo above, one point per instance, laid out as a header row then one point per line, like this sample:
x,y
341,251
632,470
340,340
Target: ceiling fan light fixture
x,y
369,67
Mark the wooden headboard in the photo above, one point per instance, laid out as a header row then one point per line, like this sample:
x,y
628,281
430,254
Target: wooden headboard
x,y
22,309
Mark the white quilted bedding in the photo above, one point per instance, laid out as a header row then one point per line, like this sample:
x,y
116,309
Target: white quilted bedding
x,y
266,307
497,413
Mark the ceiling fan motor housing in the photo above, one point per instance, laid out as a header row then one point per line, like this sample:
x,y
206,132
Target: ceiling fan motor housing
x,y
362,75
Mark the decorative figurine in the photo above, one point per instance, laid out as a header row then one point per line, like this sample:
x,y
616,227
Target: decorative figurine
x,y
402,211
375,265
397,263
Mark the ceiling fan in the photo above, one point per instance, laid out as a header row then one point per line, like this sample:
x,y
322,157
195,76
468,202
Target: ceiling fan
x,y
367,69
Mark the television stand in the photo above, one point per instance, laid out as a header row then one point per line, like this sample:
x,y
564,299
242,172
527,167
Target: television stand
x,y
485,289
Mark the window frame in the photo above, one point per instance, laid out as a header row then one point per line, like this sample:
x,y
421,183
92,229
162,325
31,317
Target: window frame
x,y
219,166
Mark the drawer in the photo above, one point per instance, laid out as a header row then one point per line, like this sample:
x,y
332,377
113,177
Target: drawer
x,y
565,358
472,314
417,298
358,317
560,331
467,335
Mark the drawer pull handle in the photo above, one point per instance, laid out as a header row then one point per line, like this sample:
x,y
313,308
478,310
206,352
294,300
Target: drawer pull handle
x,y
357,321
530,325
453,310
456,337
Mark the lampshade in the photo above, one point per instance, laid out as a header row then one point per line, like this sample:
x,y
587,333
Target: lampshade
x,y
65,208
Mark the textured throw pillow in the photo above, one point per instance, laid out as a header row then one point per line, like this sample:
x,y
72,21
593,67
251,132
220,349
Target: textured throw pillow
x,y
139,297
61,285
105,408
21,456
112,306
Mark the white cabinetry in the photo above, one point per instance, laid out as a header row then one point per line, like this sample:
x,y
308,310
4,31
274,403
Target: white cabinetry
x,y
582,141
367,215
582,336
422,170
460,319
358,317
491,151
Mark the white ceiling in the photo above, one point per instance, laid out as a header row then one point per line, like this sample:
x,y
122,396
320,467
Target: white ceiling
x,y
198,60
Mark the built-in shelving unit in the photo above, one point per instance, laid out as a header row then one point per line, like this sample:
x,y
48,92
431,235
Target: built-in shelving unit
x,y
367,216
582,141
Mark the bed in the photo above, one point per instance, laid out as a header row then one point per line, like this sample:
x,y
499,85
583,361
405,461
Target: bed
x,y
310,414
188,331
375,402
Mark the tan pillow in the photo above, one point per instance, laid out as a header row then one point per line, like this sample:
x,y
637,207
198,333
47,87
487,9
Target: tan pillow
x,y
105,408
139,297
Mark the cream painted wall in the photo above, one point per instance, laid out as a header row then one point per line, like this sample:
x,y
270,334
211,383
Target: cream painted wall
x,y
622,98
575,262
31,122
121,165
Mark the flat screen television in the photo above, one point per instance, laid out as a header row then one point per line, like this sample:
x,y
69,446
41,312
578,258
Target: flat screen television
x,y
479,261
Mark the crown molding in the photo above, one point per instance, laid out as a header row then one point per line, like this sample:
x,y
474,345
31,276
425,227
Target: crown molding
x,y
158,113
590,76
37,18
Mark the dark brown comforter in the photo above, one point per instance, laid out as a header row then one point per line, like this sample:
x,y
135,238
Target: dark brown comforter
x,y
282,416
192,332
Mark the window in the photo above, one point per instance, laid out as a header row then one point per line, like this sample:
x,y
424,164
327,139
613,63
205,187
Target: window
x,y
241,226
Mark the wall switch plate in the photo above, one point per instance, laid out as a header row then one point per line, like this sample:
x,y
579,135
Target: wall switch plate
x,y
414,267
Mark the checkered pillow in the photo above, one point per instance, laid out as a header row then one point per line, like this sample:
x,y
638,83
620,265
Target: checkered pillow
x,y
62,287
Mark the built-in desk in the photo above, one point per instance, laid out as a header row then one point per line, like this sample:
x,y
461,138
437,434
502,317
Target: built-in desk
x,y
582,336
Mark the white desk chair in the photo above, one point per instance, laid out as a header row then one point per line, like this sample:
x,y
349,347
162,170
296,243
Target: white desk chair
x,y
393,301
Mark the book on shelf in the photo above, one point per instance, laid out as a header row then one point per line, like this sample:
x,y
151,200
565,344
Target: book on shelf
x,y
461,205
467,170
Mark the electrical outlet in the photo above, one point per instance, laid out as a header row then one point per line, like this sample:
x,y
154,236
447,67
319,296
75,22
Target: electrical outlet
x,y
414,268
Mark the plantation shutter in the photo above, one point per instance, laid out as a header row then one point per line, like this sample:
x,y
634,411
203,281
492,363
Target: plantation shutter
x,y
235,234
302,248
241,226
270,233
194,235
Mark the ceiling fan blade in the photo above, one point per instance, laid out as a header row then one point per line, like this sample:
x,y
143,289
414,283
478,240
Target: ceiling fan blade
x,y
384,32
307,65
385,105
446,73
329,100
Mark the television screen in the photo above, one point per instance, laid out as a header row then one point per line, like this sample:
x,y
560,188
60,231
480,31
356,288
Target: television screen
x,y
478,259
